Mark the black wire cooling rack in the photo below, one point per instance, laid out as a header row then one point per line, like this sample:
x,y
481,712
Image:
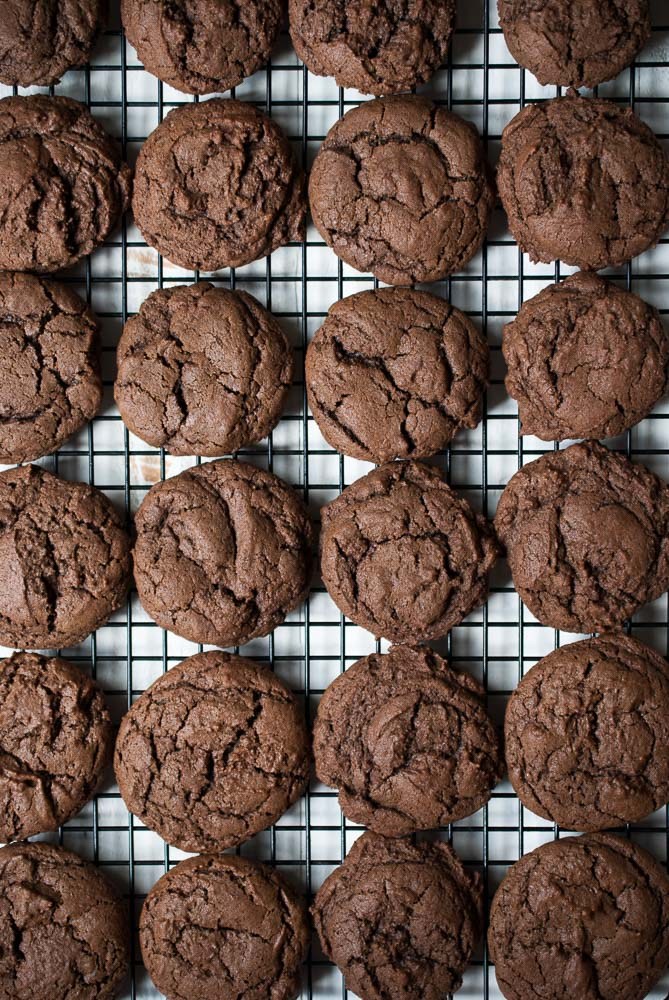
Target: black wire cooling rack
x,y
497,644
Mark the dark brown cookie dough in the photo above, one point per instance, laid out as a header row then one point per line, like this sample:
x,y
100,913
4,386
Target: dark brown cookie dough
x,y
401,920
587,537
395,373
202,46
217,186
219,927
223,552
586,734
64,928
584,917
407,741
584,181
380,48
64,186
585,360
403,555
401,188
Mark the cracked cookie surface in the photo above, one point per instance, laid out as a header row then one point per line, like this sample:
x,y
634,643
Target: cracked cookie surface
x,y
202,370
585,360
401,188
63,925
219,927
586,733
216,185
584,181
403,555
400,920
584,917
587,537
407,741
395,373
64,185
215,751
41,39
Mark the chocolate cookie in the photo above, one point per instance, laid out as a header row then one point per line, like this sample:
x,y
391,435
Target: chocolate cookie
x,y
223,553
401,920
216,186
56,740
395,373
574,43
215,751
586,360
584,917
378,48
407,741
587,537
41,39
64,928
586,734
584,181
64,186
403,555
217,927
202,46
401,188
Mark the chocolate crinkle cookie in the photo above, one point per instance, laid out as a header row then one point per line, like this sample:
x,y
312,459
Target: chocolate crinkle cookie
x,y
215,751
395,373
401,188
380,48
64,186
583,181
202,370
64,928
586,734
407,741
219,927
585,359
202,46
584,917
223,552
64,559
587,537
403,555
216,185
400,919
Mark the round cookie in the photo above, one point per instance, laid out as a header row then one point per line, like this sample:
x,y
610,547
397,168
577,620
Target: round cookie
x,y
574,43
202,46
64,927
219,927
64,185
64,559
223,553
378,48
56,739
41,39
202,370
407,741
395,373
586,734
215,751
585,360
584,917
401,188
587,537
216,186
400,920
403,555
584,181
50,382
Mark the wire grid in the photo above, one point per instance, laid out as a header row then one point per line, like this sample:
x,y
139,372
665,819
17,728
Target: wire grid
x,y
497,643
